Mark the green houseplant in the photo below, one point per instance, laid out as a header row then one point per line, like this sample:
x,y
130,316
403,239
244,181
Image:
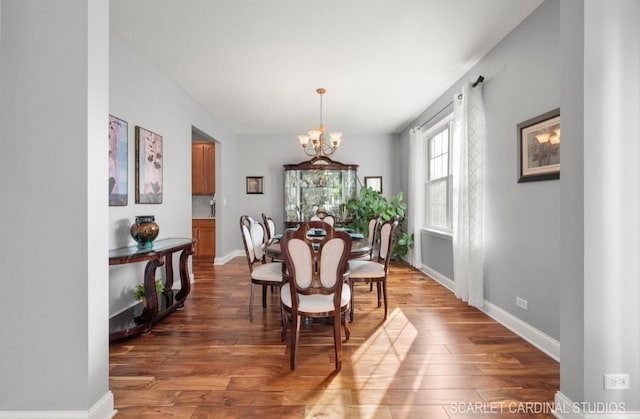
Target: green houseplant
x,y
368,204
138,293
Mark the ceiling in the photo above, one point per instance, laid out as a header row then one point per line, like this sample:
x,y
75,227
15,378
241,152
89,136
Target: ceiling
x,y
255,64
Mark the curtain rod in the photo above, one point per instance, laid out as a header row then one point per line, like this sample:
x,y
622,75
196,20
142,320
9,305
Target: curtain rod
x,y
479,80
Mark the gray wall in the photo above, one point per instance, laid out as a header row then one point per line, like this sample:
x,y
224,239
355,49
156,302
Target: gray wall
x,y
521,225
53,119
571,201
264,155
142,96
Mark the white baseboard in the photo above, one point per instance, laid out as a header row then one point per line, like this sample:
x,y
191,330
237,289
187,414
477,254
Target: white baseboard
x,y
103,409
226,258
565,408
540,340
438,277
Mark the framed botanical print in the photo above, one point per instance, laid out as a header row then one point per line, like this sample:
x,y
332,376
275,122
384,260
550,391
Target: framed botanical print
x,y
118,173
149,163
539,147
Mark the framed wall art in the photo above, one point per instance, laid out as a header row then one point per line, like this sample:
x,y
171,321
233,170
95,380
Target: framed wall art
x,y
373,182
149,163
539,147
255,184
118,149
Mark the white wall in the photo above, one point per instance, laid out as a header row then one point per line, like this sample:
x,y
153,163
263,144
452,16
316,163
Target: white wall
x,y
611,198
53,114
141,95
521,226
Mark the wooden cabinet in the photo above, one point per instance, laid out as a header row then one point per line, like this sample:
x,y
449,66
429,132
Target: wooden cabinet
x,y
203,168
318,184
204,231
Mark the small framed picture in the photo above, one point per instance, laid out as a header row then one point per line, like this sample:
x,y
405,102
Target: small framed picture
x,y
539,147
255,184
373,182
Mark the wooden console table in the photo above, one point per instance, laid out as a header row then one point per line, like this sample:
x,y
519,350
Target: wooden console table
x,y
141,317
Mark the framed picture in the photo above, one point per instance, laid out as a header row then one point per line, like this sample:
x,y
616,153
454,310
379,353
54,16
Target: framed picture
x,y
118,149
373,182
149,162
539,147
255,184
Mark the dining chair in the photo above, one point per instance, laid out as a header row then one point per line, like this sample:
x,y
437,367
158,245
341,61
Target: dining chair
x,y
372,235
270,226
270,229
323,216
261,272
316,286
375,270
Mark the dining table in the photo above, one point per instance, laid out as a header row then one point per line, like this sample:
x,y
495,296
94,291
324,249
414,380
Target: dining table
x,y
359,245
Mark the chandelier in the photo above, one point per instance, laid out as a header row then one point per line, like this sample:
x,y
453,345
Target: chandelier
x,y
314,142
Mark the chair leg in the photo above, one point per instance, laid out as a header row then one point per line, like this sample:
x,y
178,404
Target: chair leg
x,y
283,320
251,303
264,296
378,286
384,296
351,303
337,339
295,333
370,286
347,331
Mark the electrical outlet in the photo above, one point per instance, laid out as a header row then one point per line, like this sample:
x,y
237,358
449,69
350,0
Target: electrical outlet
x,y
616,381
522,303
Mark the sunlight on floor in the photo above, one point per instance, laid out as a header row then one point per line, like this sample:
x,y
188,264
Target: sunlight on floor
x,y
379,358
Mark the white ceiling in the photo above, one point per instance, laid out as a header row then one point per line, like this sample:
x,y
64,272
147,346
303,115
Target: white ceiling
x,y
255,64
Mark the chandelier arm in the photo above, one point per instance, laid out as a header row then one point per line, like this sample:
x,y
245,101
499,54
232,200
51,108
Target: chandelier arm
x,y
307,152
327,149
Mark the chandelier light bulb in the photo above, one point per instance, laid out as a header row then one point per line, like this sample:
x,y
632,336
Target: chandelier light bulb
x,y
304,140
315,134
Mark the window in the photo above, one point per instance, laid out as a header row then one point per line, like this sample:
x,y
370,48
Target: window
x,y
438,177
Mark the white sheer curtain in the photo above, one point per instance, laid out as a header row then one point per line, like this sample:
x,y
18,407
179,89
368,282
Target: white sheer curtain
x,y
467,170
416,190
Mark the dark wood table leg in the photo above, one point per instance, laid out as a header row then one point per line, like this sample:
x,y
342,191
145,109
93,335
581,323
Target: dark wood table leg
x,y
185,283
150,295
168,268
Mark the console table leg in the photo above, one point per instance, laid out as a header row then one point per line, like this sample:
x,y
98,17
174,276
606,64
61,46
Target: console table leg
x,y
185,284
150,295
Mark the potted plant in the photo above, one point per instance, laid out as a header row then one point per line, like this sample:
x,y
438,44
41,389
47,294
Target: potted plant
x,y
370,203
138,293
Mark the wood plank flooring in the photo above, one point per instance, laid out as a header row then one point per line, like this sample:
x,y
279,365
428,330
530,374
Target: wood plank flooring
x,y
435,357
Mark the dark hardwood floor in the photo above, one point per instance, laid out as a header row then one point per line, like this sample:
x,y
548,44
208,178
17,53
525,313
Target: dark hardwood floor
x,y
435,357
